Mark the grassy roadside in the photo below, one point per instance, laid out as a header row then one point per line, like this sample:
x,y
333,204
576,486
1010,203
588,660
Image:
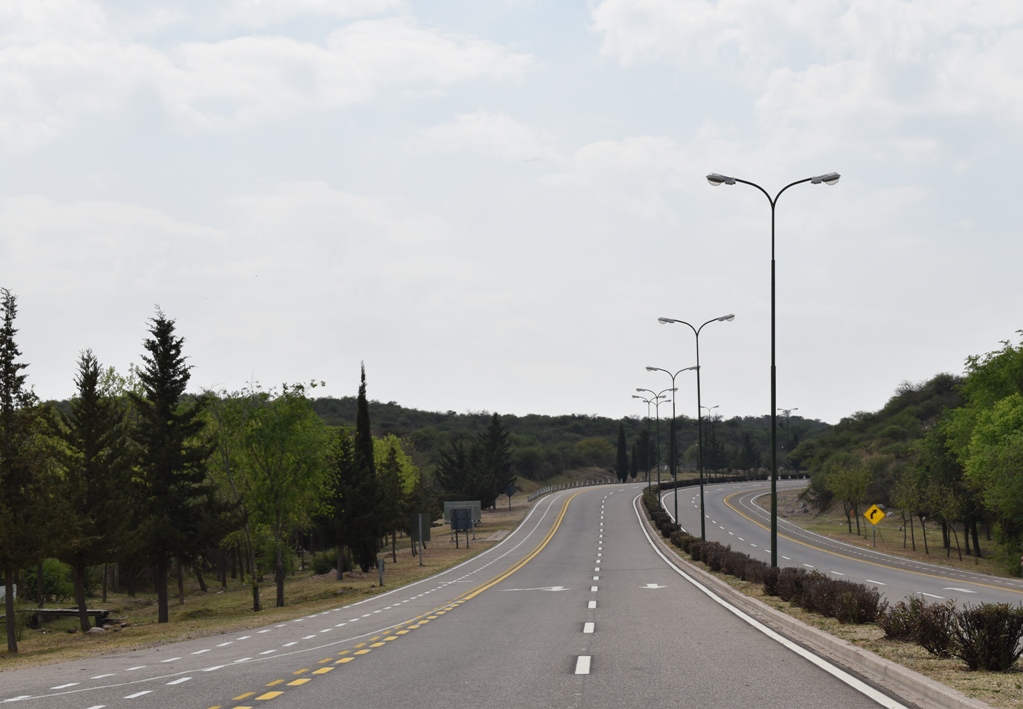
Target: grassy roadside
x,y
995,688
890,538
228,610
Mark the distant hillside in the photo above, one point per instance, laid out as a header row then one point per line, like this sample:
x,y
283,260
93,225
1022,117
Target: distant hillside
x,y
547,445
887,441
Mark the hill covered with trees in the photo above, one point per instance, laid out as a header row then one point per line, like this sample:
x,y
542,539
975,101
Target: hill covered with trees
x,y
543,446
948,451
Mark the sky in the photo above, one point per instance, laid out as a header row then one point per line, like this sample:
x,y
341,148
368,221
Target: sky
x,y
489,203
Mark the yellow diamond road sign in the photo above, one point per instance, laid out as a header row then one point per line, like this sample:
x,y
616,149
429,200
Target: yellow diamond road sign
x,y
875,514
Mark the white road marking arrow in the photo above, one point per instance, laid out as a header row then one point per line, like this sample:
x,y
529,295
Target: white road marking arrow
x,y
545,588
652,585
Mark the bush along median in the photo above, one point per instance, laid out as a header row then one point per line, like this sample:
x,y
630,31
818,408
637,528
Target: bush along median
x,y
986,637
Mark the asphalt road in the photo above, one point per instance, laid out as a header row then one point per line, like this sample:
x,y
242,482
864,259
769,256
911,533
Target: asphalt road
x,y
576,608
733,517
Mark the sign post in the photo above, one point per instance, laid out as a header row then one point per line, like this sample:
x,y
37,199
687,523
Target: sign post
x,y
874,515
461,520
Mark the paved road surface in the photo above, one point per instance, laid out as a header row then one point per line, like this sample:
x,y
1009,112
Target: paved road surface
x,y
576,608
733,517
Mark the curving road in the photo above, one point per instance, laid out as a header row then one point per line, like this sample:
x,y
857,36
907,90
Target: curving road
x,y
576,608
733,517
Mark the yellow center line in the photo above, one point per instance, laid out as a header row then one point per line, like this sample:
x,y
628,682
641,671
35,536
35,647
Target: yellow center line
x,y
529,557
419,620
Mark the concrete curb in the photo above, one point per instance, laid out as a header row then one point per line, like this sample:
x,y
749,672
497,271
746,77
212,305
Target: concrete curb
x,y
913,685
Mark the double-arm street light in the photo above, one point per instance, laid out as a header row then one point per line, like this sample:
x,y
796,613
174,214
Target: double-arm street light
x,y
699,406
671,447
715,180
656,398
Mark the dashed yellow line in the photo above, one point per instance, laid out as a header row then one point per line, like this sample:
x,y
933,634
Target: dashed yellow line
x,y
346,656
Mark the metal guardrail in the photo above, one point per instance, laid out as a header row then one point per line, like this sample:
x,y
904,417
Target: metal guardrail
x,y
667,485
568,486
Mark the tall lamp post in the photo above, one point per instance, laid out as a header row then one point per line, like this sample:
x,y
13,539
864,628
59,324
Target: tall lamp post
x,y
699,406
657,398
671,447
715,180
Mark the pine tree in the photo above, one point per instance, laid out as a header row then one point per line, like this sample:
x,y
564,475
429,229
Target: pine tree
x,y
622,464
96,468
180,508
21,483
495,459
392,498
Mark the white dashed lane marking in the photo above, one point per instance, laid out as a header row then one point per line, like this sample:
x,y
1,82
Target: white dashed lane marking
x,y
582,665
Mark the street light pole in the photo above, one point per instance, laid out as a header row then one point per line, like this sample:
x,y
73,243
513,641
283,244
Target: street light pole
x,y
658,399
699,406
671,447
648,402
716,180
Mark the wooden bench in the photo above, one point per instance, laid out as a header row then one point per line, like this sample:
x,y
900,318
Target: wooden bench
x,y
38,614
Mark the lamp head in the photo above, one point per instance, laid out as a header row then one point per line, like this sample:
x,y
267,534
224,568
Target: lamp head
x,y
665,321
829,179
726,318
651,369
715,179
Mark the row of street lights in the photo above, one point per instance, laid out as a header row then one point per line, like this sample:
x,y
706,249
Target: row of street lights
x,y
716,180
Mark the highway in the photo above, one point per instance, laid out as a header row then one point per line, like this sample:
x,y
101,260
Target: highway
x,y
575,608
733,517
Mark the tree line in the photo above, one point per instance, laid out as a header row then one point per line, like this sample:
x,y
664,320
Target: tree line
x,y
135,471
946,452
544,446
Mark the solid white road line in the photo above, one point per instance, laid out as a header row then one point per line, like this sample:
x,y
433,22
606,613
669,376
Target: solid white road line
x,y
820,662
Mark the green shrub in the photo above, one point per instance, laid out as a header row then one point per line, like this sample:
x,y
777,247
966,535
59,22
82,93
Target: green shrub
x,y
855,602
57,584
324,563
988,637
900,622
935,628
791,582
755,571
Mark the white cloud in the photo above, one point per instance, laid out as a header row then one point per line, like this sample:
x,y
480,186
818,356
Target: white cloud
x,y
822,72
48,82
492,133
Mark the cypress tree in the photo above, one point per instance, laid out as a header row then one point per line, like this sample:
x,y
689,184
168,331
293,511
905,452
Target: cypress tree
x,y
366,509
622,464
633,464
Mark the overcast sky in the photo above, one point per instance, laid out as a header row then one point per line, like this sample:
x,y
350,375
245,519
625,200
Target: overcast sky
x,y
491,202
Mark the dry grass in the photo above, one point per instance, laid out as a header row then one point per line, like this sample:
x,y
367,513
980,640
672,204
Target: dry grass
x,y
227,610
833,524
